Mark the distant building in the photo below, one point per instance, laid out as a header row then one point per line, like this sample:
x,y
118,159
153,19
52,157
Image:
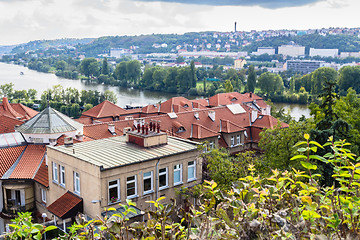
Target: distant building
x,y
291,50
303,66
239,63
350,54
119,52
264,50
324,52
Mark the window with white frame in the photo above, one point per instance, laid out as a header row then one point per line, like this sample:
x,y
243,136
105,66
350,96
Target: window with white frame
x,y
148,182
114,191
238,139
62,175
131,186
77,182
55,172
191,171
232,141
178,174
163,178
43,195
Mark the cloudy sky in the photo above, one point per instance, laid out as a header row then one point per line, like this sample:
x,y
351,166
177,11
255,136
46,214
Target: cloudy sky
x,y
25,20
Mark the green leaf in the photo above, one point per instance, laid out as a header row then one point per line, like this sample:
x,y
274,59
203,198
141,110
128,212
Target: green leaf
x,y
308,165
49,228
298,157
315,143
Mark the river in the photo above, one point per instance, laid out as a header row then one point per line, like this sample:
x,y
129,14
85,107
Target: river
x,y
125,96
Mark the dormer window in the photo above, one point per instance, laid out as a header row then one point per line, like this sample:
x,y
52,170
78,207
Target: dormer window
x,y
186,105
181,129
234,99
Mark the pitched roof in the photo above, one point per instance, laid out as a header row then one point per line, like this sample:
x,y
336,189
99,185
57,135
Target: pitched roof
x,y
60,140
200,132
68,205
27,166
16,110
230,127
7,124
236,98
42,175
105,109
99,131
268,121
49,121
8,157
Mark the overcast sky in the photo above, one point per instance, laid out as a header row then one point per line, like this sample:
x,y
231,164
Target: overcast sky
x,y
25,20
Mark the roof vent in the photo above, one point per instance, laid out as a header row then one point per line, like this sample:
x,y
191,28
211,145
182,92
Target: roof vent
x,y
129,118
211,115
68,141
196,115
111,128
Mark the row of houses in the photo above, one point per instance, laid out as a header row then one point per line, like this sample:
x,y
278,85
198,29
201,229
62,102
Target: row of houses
x,y
58,166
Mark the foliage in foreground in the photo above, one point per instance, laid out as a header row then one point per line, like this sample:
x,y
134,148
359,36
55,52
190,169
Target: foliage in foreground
x,y
286,205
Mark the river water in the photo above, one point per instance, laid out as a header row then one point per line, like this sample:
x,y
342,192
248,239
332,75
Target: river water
x,y
125,96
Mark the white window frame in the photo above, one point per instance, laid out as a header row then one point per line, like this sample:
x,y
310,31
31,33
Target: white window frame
x,y
76,186
166,177
43,195
62,175
117,185
232,141
178,170
152,182
238,139
55,172
131,181
193,166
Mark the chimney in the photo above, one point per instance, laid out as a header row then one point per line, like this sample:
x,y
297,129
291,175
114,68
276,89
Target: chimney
x,y
254,115
111,128
250,94
68,141
211,115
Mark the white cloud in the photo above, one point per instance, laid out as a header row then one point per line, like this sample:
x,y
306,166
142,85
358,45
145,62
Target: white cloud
x,y
22,21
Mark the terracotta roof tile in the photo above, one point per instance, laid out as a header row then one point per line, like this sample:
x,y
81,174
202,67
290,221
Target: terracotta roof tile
x,y
84,120
68,205
202,132
16,110
267,121
230,127
7,124
42,175
29,163
8,157
104,109
99,131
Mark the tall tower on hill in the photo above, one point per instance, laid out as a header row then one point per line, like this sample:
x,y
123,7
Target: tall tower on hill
x,y
235,26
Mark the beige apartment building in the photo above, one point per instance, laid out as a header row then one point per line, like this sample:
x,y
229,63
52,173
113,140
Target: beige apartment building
x,y
141,166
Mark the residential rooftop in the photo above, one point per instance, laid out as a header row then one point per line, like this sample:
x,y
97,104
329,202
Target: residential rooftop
x,y
116,151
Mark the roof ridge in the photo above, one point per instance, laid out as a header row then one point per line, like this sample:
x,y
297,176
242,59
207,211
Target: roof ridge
x,y
101,108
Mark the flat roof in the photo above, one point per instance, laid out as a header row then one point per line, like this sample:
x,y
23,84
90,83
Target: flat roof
x,y
115,151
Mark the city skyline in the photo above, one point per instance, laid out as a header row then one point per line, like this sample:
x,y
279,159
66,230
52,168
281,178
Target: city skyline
x,y
23,21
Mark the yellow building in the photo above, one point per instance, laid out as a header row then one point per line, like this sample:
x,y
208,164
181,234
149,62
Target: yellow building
x,y
140,166
239,63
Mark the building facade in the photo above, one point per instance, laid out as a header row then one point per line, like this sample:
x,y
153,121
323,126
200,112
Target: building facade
x,y
303,66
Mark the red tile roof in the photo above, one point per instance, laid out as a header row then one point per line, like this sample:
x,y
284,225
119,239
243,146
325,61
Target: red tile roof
x,y
202,132
42,175
105,109
8,157
68,205
230,127
29,163
7,124
100,131
84,120
267,121
16,110
235,97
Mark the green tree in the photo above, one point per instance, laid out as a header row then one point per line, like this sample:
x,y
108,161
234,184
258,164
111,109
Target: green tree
x,y
110,96
32,93
228,86
349,76
105,67
320,76
270,83
278,143
87,66
6,90
61,65
251,81
193,77
133,71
